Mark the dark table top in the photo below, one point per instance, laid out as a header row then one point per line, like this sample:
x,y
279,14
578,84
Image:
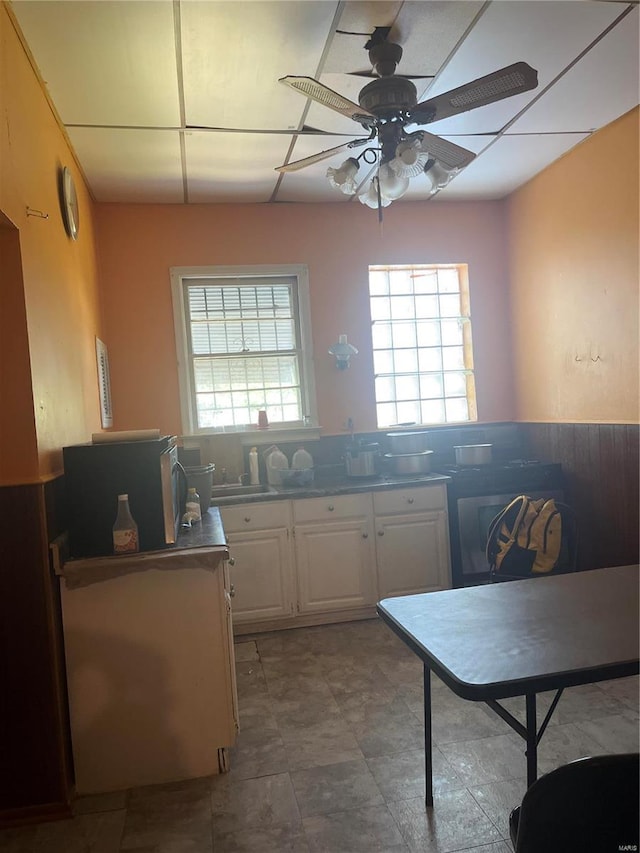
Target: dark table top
x,y
507,639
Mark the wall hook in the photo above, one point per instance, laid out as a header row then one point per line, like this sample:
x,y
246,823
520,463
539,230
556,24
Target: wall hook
x,y
33,212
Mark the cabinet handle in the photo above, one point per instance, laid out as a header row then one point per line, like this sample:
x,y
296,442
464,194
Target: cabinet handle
x,y
330,507
232,591
247,518
380,532
409,500
232,561
365,535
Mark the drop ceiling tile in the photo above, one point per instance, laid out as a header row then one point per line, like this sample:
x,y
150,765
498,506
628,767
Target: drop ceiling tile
x,y
130,165
234,54
427,33
547,35
233,167
105,62
507,164
611,69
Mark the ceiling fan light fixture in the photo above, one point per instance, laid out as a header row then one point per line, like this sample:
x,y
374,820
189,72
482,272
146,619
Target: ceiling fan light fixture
x,y
369,196
410,159
344,177
392,185
440,176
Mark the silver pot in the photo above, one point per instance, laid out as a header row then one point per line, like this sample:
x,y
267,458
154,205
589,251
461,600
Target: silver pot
x,y
410,463
473,454
407,442
362,460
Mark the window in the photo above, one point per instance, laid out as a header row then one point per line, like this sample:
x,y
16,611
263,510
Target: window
x,y
421,331
244,345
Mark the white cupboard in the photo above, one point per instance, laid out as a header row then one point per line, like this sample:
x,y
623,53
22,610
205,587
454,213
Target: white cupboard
x,y
259,538
150,667
412,541
295,562
334,553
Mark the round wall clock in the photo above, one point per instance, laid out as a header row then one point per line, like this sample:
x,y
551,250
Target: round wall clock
x,y
70,204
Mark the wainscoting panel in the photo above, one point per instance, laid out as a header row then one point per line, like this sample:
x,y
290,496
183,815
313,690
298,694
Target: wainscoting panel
x,y
35,768
601,465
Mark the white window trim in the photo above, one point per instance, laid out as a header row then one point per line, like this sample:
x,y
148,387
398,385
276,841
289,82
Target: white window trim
x,y
301,273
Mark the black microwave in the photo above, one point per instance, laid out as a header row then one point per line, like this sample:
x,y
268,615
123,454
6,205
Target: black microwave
x,y
148,471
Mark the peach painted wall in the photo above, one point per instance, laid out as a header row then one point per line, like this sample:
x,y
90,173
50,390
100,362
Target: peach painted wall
x,y
139,243
573,238
60,279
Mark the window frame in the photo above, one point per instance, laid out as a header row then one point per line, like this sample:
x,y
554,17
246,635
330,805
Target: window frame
x,y
462,271
180,277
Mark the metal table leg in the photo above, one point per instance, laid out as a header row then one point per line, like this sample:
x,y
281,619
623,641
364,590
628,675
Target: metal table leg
x,y
532,739
428,764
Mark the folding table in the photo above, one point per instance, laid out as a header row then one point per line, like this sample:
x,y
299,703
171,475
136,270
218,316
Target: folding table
x,y
519,639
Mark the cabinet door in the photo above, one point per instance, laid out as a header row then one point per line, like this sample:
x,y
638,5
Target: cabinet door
x,y
412,553
335,564
261,575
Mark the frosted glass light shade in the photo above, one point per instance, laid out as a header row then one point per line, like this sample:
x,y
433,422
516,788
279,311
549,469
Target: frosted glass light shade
x,y
369,196
410,158
344,178
392,185
440,177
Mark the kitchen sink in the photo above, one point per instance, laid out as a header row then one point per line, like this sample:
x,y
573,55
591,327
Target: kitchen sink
x,y
234,489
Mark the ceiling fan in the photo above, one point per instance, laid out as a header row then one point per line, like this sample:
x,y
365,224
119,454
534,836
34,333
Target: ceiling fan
x,y
387,108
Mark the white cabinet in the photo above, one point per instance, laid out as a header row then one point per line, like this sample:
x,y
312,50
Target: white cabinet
x,y
300,561
261,565
334,552
150,668
412,541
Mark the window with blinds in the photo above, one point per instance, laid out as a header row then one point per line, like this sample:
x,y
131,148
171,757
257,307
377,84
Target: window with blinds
x,y
244,347
422,350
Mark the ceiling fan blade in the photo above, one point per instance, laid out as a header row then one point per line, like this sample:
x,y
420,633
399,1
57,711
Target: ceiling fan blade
x,y
449,154
323,95
504,83
371,75
321,155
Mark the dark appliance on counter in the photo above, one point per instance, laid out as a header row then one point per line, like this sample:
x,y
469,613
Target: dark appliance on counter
x,y
148,471
476,494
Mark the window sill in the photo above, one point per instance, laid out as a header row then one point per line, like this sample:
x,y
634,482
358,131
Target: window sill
x,y
254,437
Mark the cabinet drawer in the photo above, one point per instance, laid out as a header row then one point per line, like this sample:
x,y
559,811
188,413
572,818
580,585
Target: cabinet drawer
x,y
255,516
330,508
409,500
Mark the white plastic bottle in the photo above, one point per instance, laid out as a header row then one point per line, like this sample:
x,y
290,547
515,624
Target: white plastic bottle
x,y
302,459
254,473
125,530
193,511
276,462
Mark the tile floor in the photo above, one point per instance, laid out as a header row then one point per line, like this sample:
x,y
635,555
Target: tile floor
x,y
329,759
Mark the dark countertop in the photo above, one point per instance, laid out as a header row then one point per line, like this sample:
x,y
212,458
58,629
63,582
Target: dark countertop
x,y
199,547
337,485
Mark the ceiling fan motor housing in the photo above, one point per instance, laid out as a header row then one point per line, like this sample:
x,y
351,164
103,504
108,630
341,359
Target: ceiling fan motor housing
x,y
384,56
388,95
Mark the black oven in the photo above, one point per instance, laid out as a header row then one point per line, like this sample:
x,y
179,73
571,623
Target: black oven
x,y
476,495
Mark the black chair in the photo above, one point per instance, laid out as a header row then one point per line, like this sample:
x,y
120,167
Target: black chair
x,y
587,805
567,558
